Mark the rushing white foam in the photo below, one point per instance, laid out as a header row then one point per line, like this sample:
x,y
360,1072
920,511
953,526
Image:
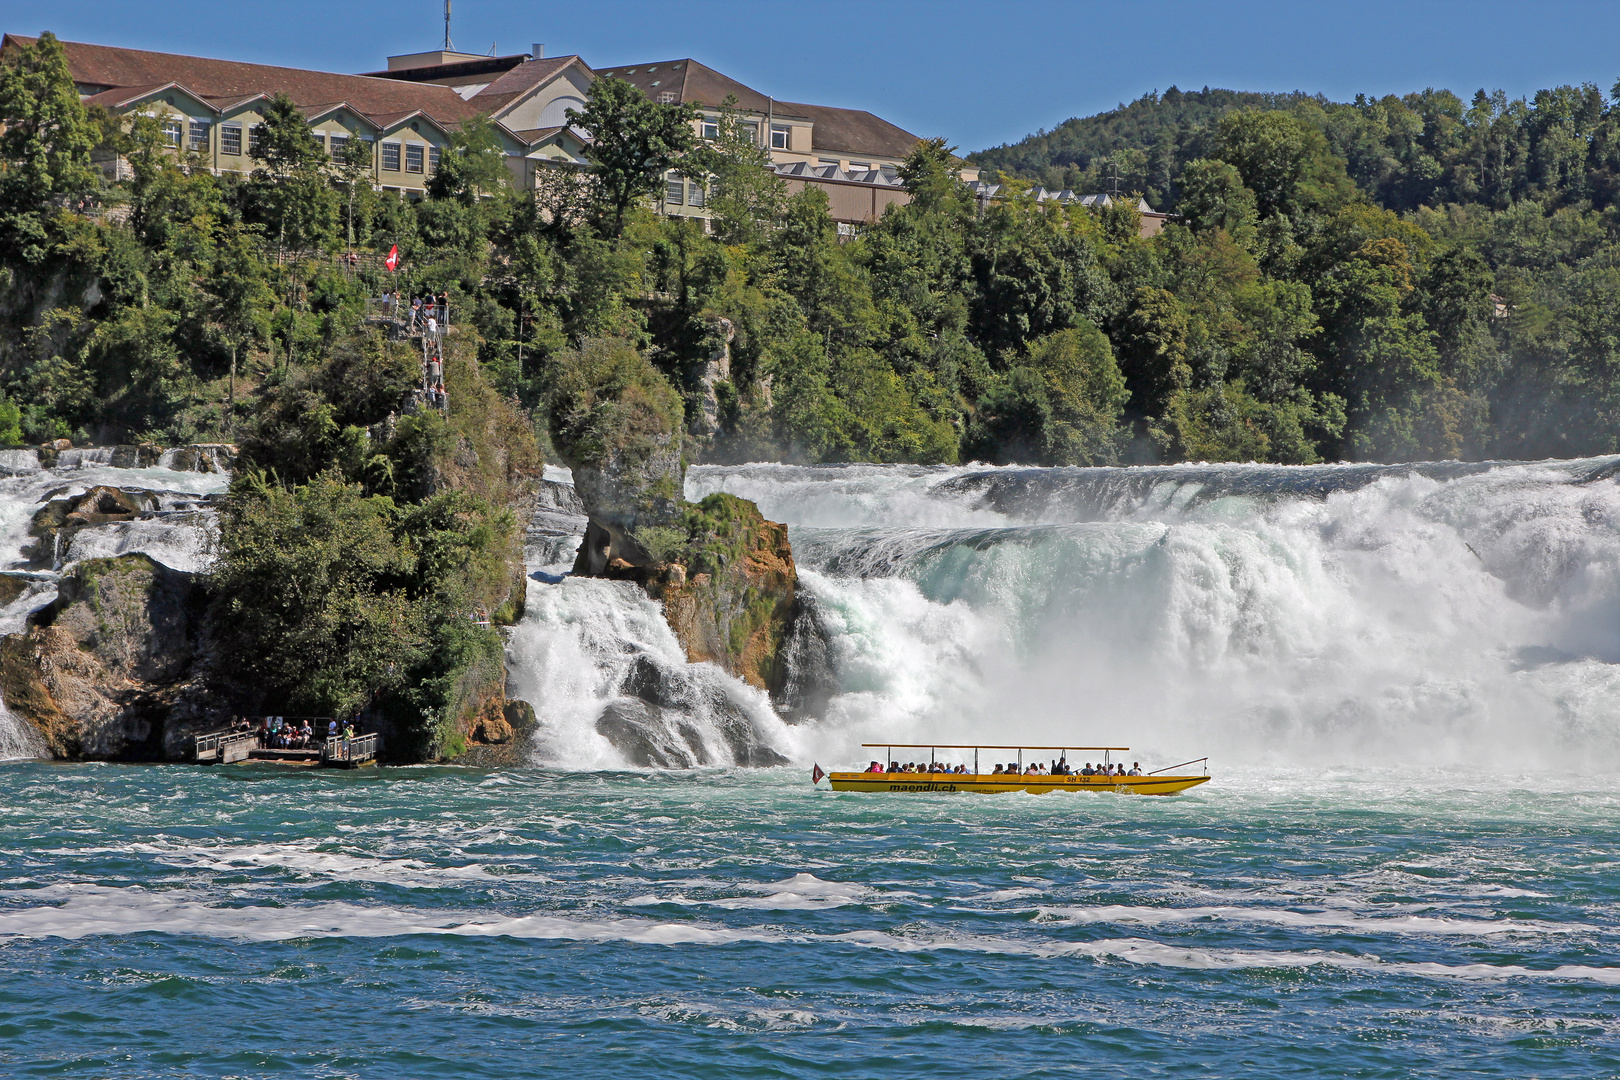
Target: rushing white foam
x,y
18,739
89,910
575,647
1446,614
1301,920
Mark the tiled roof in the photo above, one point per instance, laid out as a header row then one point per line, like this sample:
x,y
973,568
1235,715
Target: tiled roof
x,y
1066,196
453,74
691,81
854,131
527,76
872,177
112,99
102,65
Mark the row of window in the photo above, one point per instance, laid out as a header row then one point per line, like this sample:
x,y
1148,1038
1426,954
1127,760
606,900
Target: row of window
x,y
780,133
419,157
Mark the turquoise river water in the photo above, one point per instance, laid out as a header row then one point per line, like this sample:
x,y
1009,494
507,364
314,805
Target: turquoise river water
x,y
441,922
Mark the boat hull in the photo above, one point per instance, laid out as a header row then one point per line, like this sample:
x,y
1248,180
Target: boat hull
x,y
989,784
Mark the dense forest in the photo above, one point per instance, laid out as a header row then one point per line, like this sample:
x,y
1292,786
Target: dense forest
x,y
1391,279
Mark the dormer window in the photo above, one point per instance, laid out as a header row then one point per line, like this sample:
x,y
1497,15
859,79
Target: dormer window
x,y
780,133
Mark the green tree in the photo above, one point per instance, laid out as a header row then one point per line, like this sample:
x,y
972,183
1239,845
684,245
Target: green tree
x,y
745,196
1213,197
312,598
240,299
294,200
1152,341
45,141
634,142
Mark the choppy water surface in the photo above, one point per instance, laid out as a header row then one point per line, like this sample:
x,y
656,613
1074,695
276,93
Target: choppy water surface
x,y
166,921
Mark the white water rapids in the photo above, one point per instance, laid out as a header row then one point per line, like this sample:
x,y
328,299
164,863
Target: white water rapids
x,y
1446,615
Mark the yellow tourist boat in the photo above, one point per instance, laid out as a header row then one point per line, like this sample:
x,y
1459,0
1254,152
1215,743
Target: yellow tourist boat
x,y
1012,778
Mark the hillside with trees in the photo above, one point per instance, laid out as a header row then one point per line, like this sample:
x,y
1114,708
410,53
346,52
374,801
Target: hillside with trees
x,y
1392,279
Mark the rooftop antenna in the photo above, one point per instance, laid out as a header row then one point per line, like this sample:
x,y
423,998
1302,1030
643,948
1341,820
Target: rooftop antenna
x,y
1113,166
448,46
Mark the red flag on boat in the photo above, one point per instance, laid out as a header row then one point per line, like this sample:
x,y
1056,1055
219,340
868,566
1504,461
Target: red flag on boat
x,y
816,774
392,262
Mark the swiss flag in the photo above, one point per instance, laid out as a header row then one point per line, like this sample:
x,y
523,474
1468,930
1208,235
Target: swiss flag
x,y
392,262
816,774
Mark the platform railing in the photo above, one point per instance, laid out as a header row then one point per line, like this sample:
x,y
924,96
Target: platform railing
x,y
213,745
359,748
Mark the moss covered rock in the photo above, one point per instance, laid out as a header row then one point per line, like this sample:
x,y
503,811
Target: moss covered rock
x,y
728,589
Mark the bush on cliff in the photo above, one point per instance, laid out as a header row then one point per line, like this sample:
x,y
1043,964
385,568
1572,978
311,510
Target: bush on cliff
x,y
327,601
606,398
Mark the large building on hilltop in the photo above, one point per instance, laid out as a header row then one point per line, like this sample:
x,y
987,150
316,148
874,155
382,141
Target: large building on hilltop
x,y
212,108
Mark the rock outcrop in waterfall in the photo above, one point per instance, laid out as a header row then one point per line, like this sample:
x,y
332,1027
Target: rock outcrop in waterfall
x,y
725,575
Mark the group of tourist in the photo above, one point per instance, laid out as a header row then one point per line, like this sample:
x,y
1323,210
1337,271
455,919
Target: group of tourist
x,y
428,312
1060,767
433,380
283,734
280,733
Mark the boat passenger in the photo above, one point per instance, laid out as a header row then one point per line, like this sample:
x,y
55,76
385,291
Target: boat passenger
x,y
996,771
894,766
874,767
1136,769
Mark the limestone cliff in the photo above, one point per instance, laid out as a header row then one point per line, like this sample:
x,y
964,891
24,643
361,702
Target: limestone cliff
x,y
106,671
728,591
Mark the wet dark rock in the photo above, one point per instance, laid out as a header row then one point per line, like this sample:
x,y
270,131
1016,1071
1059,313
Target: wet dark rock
x,y
646,680
637,729
809,682
667,735
55,523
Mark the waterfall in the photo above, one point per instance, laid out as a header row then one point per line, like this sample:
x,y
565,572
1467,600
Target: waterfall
x,y
85,456
1358,614
17,738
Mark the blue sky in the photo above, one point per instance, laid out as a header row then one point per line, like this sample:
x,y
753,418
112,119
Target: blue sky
x,y
977,73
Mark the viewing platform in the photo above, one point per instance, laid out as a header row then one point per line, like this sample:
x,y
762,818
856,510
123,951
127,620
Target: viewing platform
x,y
232,746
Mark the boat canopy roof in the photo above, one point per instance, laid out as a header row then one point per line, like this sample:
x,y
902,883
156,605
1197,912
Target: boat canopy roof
x,y
983,746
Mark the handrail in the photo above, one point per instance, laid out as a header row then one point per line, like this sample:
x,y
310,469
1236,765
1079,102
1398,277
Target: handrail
x,y
1194,761
215,740
359,748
